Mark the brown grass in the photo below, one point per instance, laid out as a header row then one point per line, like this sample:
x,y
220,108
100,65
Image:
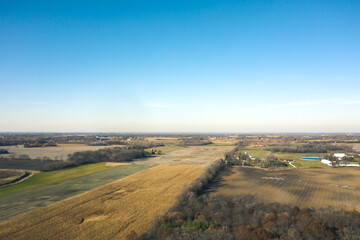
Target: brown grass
x,y
225,140
312,187
115,164
59,152
194,155
109,212
164,140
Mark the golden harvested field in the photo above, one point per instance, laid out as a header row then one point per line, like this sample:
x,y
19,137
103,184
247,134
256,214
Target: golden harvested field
x,y
225,140
194,155
164,140
109,212
61,151
310,187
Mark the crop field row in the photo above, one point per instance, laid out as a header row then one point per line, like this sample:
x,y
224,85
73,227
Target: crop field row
x,y
194,155
52,177
37,192
310,187
109,212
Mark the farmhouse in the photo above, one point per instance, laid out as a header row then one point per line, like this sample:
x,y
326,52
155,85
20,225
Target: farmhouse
x,y
340,155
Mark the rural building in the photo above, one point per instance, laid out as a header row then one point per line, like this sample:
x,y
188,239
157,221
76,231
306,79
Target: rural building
x,y
339,155
349,165
327,162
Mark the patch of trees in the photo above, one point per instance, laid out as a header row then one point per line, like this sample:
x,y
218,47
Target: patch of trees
x,y
40,144
311,148
138,144
198,215
219,217
30,140
194,141
117,154
242,144
25,162
3,151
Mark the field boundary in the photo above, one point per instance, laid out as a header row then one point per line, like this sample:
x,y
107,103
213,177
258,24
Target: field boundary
x,y
27,174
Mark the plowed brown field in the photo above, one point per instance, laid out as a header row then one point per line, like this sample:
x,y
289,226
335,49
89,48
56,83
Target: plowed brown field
x,y
109,212
310,187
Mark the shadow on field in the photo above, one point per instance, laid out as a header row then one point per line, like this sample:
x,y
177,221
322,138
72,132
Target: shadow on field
x,y
218,181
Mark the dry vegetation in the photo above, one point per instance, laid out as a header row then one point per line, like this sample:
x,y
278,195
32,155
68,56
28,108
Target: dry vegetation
x,y
246,216
164,140
59,152
312,187
194,155
109,212
8,176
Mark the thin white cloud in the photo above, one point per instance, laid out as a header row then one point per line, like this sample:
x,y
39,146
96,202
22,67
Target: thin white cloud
x,y
315,103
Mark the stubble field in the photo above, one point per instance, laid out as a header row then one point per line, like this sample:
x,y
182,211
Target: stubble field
x,y
59,152
109,212
310,187
194,155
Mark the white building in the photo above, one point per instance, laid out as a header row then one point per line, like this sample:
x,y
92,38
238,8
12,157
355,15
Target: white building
x,y
349,165
327,162
339,155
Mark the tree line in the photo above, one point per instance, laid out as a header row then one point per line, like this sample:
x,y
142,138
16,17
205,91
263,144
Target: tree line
x,y
311,148
117,154
198,215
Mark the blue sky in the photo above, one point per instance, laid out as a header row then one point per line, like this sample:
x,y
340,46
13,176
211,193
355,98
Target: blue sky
x,y
180,66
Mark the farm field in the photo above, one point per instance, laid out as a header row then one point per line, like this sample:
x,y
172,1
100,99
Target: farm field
x,y
59,152
258,153
194,155
356,146
310,163
34,165
307,187
262,154
167,149
163,139
52,177
224,141
109,212
7,176
46,188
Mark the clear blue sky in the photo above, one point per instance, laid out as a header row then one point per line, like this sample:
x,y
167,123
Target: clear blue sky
x,y
219,66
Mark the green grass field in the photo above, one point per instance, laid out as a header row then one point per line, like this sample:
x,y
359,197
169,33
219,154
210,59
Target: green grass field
x,y
298,156
309,163
258,153
261,154
47,178
168,148
19,202
303,163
